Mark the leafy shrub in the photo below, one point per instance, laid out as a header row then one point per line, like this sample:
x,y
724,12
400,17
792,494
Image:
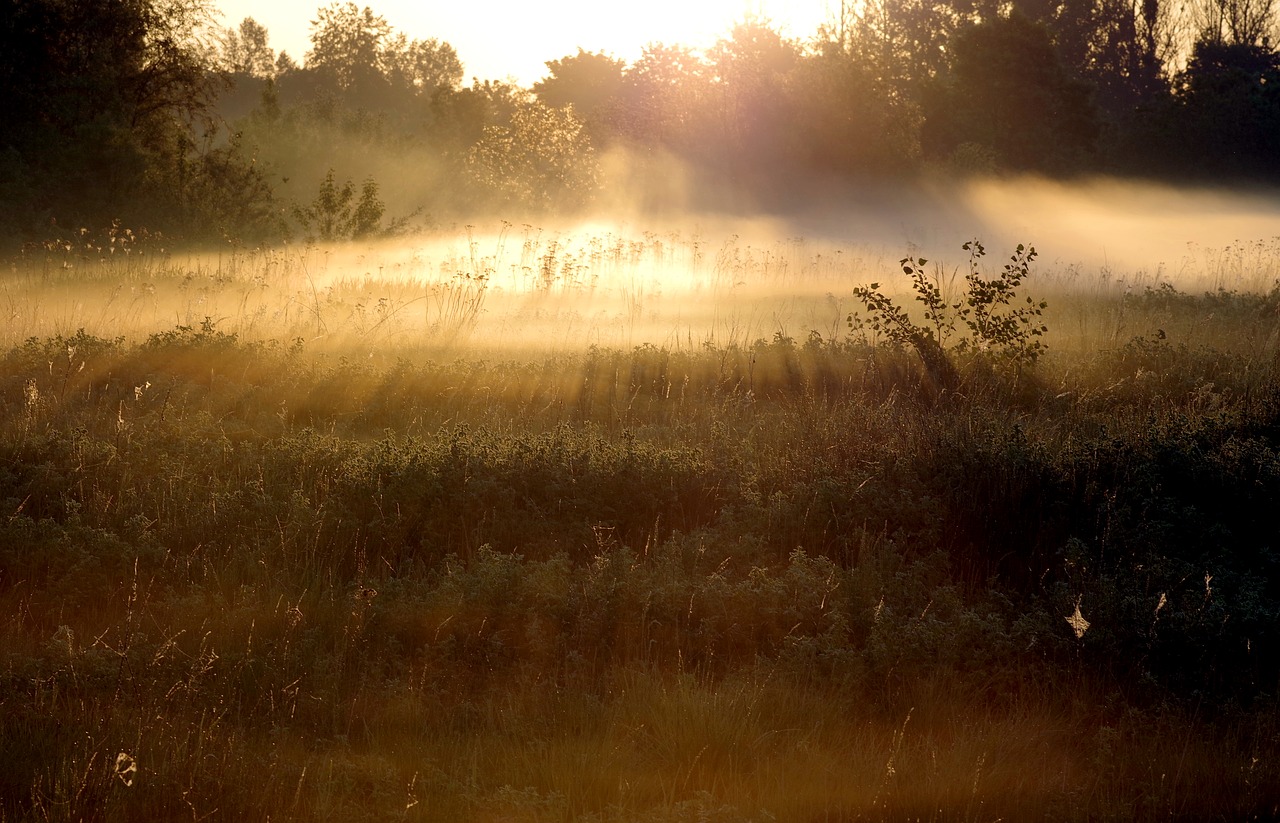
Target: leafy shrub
x,y
997,327
336,214
543,159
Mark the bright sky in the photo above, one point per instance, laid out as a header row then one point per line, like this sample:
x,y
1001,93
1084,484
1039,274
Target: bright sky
x,y
497,39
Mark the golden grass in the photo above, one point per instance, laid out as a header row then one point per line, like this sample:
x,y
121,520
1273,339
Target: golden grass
x,y
686,679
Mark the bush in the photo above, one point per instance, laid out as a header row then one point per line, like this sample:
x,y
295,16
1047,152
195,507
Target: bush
x,y
998,329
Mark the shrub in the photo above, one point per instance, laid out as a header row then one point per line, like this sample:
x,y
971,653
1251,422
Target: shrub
x,y
336,214
997,328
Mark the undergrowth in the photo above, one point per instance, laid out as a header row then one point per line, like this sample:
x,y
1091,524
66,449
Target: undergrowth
x,y
772,582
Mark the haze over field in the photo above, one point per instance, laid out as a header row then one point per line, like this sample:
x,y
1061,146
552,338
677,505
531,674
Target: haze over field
x,y
1126,227
864,123
678,279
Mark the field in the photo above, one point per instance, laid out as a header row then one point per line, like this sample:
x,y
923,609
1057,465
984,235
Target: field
x,y
513,524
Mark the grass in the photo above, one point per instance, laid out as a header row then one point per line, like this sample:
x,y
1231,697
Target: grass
x,y
298,560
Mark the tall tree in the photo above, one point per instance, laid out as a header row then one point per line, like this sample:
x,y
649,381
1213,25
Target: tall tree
x,y
1121,47
348,44
906,40
100,99
753,68
1235,22
244,50
1227,110
665,97
422,67
848,119
591,83
1008,91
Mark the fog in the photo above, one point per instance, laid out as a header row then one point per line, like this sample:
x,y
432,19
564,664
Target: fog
x,y
636,274
1099,225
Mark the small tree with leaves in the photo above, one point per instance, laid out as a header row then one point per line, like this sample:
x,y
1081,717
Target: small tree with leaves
x,y
998,326
336,214
1001,322
543,159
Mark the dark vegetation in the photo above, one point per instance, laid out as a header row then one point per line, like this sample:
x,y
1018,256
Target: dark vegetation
x,y
946,565
144,112
793,580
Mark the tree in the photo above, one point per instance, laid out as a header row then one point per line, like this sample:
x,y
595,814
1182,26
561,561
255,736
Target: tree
x,y
847,118
589,82
1235,22
905,41
423,67
101,102
1008,91
460,117
227,196
285,64
1126,57
348,44
543,159
1121,47
357,59
245,51
336,214
1227,110
753,69
665,98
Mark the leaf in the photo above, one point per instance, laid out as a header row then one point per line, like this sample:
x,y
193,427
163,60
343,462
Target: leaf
x,y
1077,622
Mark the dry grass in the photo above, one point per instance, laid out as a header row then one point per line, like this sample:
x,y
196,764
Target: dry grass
x,y
713,574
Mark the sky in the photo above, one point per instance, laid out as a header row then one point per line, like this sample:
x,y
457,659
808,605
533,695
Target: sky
x,y
513,39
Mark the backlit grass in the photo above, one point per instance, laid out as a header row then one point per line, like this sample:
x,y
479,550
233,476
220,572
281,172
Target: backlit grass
x,y
285,539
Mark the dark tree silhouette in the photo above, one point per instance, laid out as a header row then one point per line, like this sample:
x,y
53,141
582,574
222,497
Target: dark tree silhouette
x,y
1008,91
348,45
849,119
1228,107
101,103
754,68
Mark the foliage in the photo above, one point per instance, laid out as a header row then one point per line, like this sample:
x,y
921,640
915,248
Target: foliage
x,y
904,42
753,67
244,50
1235,22
348,43
665,97
427,67
642,585
847,117
122,112
1009,90
95,93
543,159
1228,103
997,327
336,214
357,54
588,82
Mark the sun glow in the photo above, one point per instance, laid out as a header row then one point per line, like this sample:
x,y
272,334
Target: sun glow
x,y
497,40
682,284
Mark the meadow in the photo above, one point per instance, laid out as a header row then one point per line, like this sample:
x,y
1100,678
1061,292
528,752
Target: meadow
x,y
513,524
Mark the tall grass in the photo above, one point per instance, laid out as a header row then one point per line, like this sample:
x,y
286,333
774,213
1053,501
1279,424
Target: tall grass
x,y
295,559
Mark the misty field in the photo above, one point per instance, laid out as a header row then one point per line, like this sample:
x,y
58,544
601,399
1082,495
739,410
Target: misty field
x,y
505,523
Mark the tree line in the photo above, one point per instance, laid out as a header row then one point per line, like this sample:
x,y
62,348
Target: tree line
x,y
147,112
